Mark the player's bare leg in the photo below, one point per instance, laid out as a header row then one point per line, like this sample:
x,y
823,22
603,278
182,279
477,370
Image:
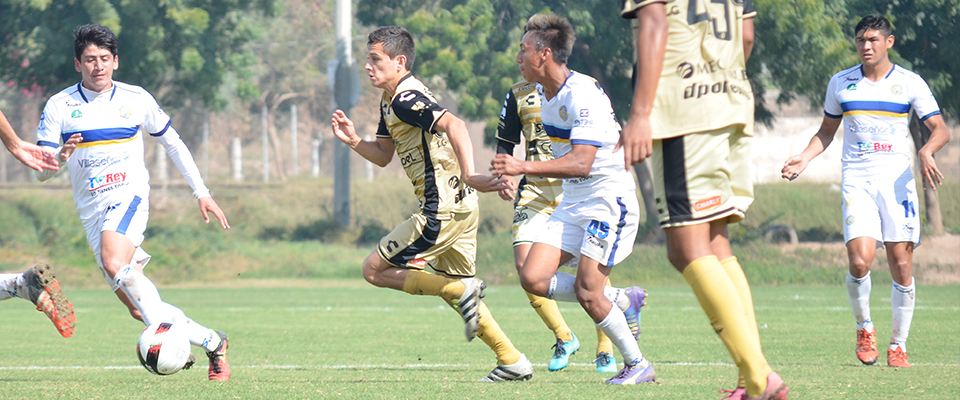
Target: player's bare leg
x,y
566,342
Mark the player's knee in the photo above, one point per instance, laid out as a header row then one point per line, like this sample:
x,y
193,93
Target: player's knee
x,y
586,298
859,264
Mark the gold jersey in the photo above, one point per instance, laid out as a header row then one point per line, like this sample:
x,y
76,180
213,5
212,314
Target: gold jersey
x,y
520,117
408,116
704,83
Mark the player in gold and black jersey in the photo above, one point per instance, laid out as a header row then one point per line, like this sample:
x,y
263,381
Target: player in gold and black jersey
x,y
435,150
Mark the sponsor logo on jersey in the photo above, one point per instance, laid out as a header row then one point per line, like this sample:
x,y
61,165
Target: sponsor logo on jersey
x,y
874,146
698,90
454,182
851,87
462,194
418,106
584,113
94,162
908,228
706,204
592,240
72,103
418,263
411,157
125,112
579,179
896,89
520,214
872,129
76,114
563,112
685,70
102,181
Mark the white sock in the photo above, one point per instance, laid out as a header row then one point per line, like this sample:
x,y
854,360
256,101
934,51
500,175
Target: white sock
x,y
902,299
858,290
143,294
616,328
199,335
562,287
11,285
617,296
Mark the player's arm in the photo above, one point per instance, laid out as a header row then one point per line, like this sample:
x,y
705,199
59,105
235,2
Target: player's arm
x,y
29,154
748,38
379,151
795,165
183,159
577,163
938,138
459,138
637,136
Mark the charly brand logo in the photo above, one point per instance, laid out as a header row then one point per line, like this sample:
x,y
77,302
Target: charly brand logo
x,y
685,70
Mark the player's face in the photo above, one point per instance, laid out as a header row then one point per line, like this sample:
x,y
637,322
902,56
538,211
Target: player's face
x,y
381,69
530,60
96,66
872,47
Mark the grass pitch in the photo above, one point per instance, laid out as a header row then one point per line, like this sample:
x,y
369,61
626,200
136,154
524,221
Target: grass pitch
x,y
350,340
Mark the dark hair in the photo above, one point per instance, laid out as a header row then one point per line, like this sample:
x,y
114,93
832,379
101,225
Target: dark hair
x,y
97,35
395,40
553,31
873,22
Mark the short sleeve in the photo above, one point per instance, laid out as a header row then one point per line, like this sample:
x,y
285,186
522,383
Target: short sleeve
x,y
922,100
417,109
587,116
630,7
831,104
510,127
748,10
48,133
155,121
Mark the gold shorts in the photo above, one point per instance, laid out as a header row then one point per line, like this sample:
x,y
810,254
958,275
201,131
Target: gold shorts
x,y
702,177
447,246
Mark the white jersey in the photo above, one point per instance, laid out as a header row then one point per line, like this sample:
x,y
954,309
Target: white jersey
x,y
875,117
109,160
580,114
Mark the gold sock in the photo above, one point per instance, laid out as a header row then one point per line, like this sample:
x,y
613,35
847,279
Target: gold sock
x,y
550,314
493,336
713,287
604,345
427,284
735,272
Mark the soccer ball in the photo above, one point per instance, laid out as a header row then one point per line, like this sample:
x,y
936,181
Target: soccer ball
x,y
163,348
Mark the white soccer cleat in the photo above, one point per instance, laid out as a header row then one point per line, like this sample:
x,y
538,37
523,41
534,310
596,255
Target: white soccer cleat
x,y
519,371
469,306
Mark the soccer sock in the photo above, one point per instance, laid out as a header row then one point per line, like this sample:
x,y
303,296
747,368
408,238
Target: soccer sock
x,y
199,335
550,314
426,284
735,272
902,299
493,336
614,325
858,290
12,285
143,294
604,345
712,286
562,289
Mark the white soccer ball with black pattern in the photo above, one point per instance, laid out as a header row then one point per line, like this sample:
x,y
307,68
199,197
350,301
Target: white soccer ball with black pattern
x,y
163,348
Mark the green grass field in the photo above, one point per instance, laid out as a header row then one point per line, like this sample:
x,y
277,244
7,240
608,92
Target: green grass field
x,y
345,339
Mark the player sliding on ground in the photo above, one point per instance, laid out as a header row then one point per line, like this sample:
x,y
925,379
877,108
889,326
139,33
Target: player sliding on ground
x,y
437,156
595,224
880,200
99,120
37,284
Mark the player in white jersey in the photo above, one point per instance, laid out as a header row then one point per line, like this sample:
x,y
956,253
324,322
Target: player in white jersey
x,y
36,284
597,219
880,200
100,122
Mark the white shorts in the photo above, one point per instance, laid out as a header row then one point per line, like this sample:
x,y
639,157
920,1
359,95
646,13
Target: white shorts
x,y
126,215
881,208
602,228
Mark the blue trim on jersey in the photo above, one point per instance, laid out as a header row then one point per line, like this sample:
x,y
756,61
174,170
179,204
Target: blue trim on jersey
x,y
831,115
47,144
620,225
891,71
97,135
930,115
127,216
80,90
593,143
557,132
162,131
900,108
113,92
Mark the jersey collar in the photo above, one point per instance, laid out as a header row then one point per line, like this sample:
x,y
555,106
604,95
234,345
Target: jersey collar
x,y
80,89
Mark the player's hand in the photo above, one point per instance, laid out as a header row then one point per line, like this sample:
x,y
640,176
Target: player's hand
x,y
344,130
69,146
636,139
928,169
507,194
208,205
34,157
486,183
506,164
793,167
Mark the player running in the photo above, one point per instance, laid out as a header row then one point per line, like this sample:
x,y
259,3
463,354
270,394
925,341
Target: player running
x,y
435,150
99,121
692,111
37,284
537,198
596,222
880,200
